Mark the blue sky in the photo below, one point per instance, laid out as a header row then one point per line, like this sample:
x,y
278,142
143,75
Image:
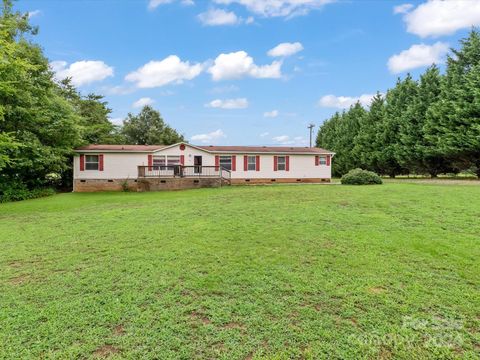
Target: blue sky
x,y
244,72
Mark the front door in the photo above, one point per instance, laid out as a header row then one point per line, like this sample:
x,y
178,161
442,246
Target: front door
x,y
197,163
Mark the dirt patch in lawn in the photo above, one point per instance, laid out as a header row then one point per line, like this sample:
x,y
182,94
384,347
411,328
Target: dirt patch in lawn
x,y
119,330
376,290
106,351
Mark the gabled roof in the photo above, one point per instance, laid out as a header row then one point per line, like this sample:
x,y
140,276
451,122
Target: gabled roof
x,y
210,149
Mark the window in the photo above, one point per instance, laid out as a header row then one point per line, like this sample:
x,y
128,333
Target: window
x,y
323,160
91,162
173,160
281,163
252,163
226,162
158,161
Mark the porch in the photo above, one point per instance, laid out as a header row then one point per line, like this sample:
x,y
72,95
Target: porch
x,y
178,177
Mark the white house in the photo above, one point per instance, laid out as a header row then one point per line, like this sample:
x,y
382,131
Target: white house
x,y
182,165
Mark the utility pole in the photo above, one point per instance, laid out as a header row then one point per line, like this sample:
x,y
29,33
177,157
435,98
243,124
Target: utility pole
x,y
311,126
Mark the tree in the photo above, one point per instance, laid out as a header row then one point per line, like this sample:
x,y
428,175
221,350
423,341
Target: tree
x,y
95,126
453,123
415,152
366,144
148,128
397,100
33,111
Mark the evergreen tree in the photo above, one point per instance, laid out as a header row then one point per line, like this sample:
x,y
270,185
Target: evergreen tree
x,y
366,144
453,123
397,101
148,128
416,153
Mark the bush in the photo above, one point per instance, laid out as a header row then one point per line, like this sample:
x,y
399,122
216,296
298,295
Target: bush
x,y
18,192
361,177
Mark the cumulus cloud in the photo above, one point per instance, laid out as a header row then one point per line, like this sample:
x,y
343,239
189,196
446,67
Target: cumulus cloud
x,y
271,114
287,140
283,8
344,102
153,4
216,17
167,71
142,102
438,17
228,104
209,137
402,9
82,72
285,49
33,13
237,65
418,56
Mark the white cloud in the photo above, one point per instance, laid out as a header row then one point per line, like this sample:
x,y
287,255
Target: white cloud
x,y
228,104
402,9
216,17
239,64
282,139
167,71
417,56
287,140
438,17
285,49
264,134
209,137
82,72
33,13
344,102
116,121
272,8
142,102
271,114
153,4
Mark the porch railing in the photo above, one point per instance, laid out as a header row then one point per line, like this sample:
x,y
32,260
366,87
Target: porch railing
x,y
170,171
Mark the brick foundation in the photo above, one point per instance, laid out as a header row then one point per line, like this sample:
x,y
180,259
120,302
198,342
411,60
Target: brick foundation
x,y
93,185
158,184
278,181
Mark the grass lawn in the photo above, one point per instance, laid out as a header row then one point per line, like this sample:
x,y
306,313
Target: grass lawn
x,y
274,272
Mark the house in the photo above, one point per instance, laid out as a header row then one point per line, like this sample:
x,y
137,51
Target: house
x,y
182,165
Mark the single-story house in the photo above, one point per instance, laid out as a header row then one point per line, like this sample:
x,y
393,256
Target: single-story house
x,y
182,165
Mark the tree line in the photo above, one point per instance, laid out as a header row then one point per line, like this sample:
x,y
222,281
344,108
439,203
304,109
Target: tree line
x,y
42,120
428,126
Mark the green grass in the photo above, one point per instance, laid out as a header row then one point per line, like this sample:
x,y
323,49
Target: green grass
x,y
274,272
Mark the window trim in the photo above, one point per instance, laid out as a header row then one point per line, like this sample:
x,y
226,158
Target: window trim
x,y
284,157
250,163
322,160
225,157
87,162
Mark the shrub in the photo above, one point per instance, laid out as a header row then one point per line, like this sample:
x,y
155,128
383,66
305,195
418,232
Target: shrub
x,y
361,177
18,192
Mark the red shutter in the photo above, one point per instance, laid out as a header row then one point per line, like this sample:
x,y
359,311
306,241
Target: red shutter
x,y
317,160
275,163
182,160
245,163
82,162
150,162
257,163
217,162
234,163
328,160
100,162
287,163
